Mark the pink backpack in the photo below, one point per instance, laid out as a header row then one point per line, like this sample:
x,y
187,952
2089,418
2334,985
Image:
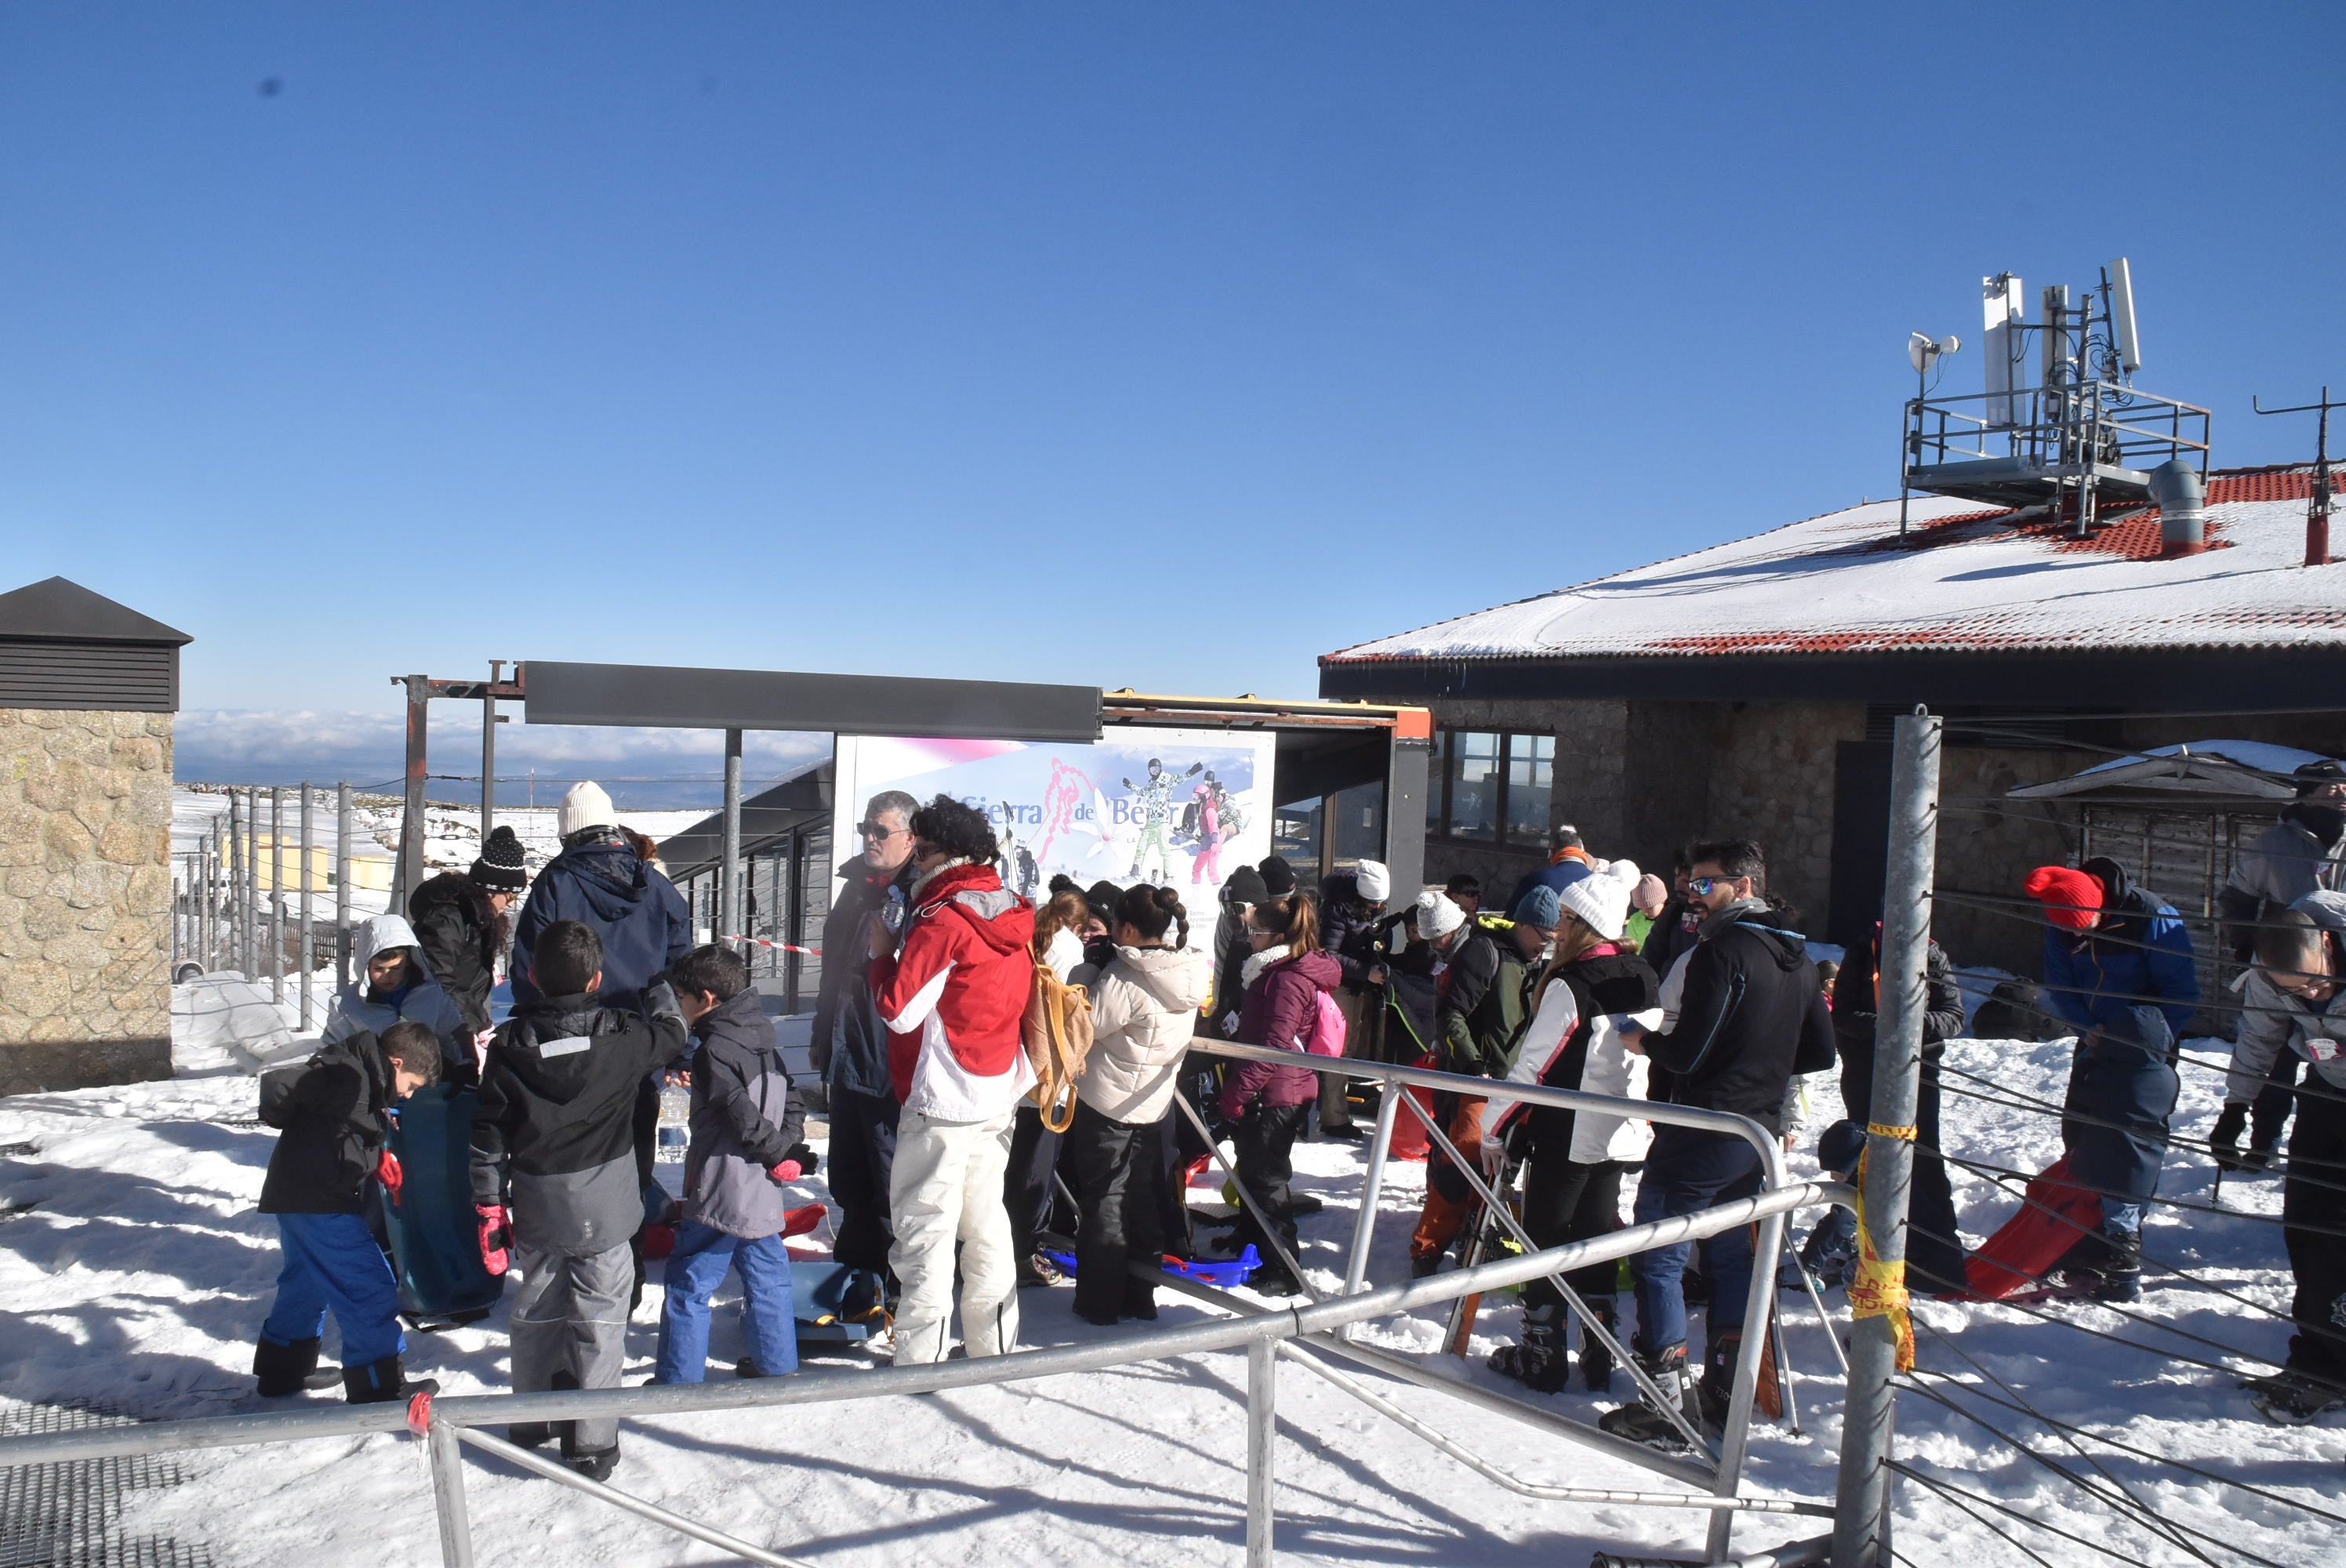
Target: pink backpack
x,y
1327,1029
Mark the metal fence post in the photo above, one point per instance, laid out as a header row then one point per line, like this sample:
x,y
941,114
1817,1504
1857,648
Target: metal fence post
x,y
277,894
341,885
728,871
309,941
1356,1268
448,1495
1862,1500
1262,1419
233,894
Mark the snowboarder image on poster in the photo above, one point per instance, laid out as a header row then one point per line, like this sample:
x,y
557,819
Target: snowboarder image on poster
x,y
1214,820
1016,863
1153,805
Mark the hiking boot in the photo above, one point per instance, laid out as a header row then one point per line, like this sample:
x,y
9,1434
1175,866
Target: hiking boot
x,y
1540,1359
1644,1422
2293,1398
283,1369
1596,1358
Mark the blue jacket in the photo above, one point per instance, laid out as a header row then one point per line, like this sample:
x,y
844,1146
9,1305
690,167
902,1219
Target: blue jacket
x,y
2093,978
1560,875
637,912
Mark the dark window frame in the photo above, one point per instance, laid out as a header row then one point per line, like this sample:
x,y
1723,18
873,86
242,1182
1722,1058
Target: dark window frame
x,y
1444,761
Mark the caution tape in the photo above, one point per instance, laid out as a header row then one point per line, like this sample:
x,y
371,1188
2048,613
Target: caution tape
x,y
777,946
1905,1135
1880,1289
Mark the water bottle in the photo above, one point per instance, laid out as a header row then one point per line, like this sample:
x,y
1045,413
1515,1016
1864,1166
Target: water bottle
x,y
675,1120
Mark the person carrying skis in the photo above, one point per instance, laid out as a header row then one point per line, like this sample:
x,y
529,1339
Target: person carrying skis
x,y
1478,1026
2108,944
1750,1014
2296,1003
1572,1177
746,1121
332,1113
555,1183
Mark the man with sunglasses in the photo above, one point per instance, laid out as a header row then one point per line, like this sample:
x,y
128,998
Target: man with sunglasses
x,y
1749,1014
850,1042
2296,1005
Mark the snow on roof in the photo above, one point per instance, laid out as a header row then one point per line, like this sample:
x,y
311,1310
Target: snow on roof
x,y
2262,755
1969,579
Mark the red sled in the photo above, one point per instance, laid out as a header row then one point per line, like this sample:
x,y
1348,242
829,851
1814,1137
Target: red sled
x,y
2029,1245
1409,1139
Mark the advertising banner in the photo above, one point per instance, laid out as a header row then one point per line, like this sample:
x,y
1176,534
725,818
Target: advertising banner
x,y
1180,808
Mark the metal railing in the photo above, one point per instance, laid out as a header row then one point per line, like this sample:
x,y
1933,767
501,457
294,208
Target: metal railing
x,y
1310,1335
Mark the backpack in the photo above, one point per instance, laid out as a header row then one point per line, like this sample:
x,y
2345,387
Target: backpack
x,y
1327,1028
1056,1032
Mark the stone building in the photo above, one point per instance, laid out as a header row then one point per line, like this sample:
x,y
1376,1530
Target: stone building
x,y
87,687
1749,690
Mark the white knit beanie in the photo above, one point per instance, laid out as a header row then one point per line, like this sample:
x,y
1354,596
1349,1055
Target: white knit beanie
x,y
1375,883
1437,917
1601,898
585,806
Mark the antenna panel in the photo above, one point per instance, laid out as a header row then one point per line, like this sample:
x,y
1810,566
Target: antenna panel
x,y
2001,308
2122,326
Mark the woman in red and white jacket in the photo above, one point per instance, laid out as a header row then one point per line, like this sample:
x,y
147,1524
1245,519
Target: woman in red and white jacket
x,y
952,996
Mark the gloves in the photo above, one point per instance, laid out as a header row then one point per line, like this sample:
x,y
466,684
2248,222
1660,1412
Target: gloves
x,y
387,1171
2226,1138
1493,1155
786,1171
803,1154
497,1236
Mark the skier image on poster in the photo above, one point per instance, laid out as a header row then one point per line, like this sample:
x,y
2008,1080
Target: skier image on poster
x,y
1152,804
1212,818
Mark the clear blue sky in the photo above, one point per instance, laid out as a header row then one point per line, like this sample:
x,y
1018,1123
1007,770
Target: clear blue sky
x,y
1167,345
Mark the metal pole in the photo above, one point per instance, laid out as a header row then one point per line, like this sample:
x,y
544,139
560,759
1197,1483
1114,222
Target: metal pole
x,y
448,1496
277,894
1356,1267
247,890
409,873
1735,1437
1861,1511
1263,1418
728,873
309,943
341,885
183,878
489,750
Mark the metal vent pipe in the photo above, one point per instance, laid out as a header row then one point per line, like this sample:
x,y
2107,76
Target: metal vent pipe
x,y
2182,497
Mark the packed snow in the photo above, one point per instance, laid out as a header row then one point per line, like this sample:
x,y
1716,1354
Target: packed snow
x,y
135,1272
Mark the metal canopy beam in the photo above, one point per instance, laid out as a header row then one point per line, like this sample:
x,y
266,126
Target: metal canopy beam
x,y
671,698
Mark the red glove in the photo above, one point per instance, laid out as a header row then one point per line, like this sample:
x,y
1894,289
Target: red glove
x,y
787,1171
387,1171
497,1236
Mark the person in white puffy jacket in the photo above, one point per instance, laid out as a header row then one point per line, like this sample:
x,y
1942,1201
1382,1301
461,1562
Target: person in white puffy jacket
x,y
395,986
1572,1183
1145,1005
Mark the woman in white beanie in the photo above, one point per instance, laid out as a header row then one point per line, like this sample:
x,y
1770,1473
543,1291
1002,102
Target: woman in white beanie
x,y
1352,928
1572,1185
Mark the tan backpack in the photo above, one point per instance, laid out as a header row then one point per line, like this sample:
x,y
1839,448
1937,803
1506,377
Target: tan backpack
x,y
1057,1034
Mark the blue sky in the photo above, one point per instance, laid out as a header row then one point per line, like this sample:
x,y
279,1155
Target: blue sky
x,y
1161,346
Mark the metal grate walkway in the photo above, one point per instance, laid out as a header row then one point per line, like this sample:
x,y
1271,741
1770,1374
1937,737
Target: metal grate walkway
x,y
62,1515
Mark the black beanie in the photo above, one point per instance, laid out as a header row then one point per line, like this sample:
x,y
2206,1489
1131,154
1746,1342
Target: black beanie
x,y
1278,877
1244,886
501,868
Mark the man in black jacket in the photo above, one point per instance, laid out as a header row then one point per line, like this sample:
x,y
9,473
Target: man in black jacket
x,y
553,1174
332,1113
1750,1014
851,1043
462,924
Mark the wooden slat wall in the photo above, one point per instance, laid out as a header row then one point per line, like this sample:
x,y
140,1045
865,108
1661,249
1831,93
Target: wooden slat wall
x,y
135,678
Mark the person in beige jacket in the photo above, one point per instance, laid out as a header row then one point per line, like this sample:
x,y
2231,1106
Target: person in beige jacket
x,y
1145,1005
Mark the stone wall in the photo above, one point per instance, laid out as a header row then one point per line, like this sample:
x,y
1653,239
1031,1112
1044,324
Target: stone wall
x,y
84,898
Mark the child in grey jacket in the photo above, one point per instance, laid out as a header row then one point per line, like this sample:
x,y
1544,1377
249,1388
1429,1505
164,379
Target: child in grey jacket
x,y
746,1121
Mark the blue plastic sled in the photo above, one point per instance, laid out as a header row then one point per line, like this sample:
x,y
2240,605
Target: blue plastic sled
x,y
1224,1272
833,1303
434,1241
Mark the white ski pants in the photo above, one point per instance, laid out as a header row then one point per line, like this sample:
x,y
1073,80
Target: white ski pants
x,y
946,1188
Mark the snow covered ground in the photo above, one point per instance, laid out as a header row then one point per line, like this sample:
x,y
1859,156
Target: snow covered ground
x,y
133,1272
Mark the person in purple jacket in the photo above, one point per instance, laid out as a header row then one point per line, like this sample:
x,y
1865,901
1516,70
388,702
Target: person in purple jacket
x,y
1265,1104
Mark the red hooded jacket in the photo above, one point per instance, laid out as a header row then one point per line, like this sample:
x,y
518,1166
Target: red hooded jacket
x,y
954,995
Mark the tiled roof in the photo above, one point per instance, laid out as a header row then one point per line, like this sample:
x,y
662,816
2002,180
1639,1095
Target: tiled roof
x,y
1965,578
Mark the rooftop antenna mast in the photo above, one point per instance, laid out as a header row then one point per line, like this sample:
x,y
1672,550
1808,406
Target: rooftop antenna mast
x,y
2318,510
1923,352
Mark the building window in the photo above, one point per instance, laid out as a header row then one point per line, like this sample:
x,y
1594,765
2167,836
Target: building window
x,y
1489,788
1531,773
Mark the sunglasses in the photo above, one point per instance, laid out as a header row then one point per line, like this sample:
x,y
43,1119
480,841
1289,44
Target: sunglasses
x,y
874,830
1700,887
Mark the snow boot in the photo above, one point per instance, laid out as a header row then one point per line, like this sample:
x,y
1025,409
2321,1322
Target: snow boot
x,y
596,1463
2110,1271
2293,1399
1644,1422
379,1382
2258,1160
1541,1359
1595,1359
283,1369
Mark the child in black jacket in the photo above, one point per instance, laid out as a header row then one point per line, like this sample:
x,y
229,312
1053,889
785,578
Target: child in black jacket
x,y
554,1175
333,1111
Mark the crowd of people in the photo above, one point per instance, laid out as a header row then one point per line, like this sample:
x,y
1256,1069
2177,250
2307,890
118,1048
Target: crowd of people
x,y
959,1148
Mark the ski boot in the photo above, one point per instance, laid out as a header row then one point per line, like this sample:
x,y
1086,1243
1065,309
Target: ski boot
x,y
1644,1422
1595,1359
2292,1398
1830,1254
1540,1360
283,1369
2112,1272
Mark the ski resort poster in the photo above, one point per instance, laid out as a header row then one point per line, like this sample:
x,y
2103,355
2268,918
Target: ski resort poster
x,y
1179,807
